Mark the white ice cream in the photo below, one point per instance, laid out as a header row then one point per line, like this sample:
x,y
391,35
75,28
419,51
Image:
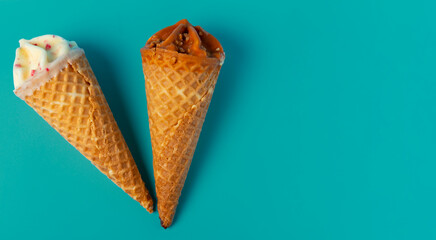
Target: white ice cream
x,y
36,55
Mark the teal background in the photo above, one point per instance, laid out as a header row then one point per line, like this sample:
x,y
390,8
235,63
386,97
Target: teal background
x,y
322,124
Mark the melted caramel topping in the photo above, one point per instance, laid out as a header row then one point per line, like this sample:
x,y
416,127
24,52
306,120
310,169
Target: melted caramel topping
x,y
184,38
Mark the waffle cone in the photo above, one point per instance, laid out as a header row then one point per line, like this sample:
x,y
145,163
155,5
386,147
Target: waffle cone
x,y
72,102
179,89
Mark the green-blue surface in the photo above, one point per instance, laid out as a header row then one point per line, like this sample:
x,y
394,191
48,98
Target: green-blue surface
x,y
322,124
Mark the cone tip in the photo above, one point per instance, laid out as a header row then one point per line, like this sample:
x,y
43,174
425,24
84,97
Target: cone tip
x,y
163,224
148,205
150,209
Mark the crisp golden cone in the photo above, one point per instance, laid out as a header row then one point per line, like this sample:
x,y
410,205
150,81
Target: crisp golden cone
x,y
73,104
179,89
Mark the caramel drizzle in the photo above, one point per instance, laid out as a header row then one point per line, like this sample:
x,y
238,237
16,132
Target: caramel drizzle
x,y
185,38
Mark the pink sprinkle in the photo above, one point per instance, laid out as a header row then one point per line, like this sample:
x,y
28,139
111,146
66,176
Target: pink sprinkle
x,y
35,44
32,73
47,46
47,69
17,65
54,36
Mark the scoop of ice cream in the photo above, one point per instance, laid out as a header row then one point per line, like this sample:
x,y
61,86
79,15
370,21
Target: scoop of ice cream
x,y
187,39
35,55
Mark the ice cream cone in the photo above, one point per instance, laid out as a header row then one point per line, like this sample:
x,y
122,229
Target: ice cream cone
x,y
71,101
179,89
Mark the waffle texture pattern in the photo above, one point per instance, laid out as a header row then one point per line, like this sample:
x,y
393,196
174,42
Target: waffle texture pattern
x,y
72,103
179,89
